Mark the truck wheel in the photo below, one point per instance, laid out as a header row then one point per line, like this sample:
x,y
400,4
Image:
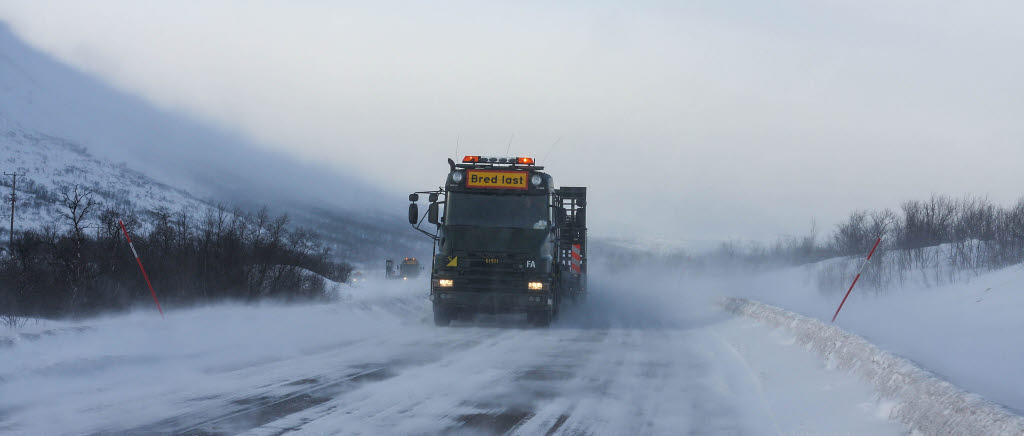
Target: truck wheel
x,y
541,318
442,317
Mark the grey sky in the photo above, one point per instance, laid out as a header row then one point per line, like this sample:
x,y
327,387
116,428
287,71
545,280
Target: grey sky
x,y
701,121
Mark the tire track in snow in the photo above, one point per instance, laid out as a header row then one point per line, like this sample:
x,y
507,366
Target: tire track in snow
x,y
542,382
492,389
752,377
654,381
277,400
557,381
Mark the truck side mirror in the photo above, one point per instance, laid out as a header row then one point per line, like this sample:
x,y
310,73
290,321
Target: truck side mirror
x,y
433,197
414,197
432,213
414,213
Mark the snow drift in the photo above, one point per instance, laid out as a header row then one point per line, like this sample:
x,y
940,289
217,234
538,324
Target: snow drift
x,y
923,401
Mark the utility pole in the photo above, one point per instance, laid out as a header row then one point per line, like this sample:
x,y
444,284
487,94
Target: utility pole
x,y
14,184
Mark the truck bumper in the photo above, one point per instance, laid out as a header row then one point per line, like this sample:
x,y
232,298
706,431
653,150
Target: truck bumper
x,y
493,302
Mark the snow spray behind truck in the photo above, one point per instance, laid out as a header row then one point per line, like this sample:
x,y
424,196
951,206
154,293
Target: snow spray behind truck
x,y
506,240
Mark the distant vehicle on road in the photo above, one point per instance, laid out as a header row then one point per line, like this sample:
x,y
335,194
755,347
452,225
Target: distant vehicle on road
x,y
410,268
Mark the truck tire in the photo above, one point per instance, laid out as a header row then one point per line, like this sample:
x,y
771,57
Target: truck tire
x,y
442,317
541,318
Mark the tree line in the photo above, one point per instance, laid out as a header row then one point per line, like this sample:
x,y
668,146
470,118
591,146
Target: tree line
x,y
82,264
934,240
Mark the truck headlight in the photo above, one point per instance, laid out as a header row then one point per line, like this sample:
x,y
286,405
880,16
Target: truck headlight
x,y
457,176
446,283
535,286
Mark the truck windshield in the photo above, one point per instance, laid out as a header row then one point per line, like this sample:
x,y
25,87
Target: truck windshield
x,y
483,210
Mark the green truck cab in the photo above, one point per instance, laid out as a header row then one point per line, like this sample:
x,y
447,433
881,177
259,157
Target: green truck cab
x,y
505,240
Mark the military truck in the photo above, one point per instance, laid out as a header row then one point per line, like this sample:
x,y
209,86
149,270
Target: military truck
x,y
506,240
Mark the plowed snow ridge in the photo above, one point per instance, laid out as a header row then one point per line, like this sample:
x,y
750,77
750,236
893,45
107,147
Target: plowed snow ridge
x,y
924,402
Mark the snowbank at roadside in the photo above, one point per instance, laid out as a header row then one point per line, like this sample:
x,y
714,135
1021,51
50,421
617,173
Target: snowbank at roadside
x,y
924,402
967,332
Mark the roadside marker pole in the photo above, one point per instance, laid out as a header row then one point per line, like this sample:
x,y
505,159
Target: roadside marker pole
x,y
854,279
151,291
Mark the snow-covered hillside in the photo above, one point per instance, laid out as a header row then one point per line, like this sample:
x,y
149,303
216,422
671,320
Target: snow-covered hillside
x,y
43,95
61,126
50,164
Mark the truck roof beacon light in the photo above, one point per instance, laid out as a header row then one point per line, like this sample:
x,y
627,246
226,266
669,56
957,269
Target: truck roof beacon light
x,y
499,160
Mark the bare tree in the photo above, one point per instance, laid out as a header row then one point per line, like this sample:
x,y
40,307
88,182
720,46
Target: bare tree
x,y
13,321
78,204
882,224
183,225
163,232
851,237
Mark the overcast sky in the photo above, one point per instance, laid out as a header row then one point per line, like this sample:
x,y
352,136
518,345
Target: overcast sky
x,y
697,121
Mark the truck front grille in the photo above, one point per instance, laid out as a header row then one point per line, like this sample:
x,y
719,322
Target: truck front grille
x,y
491,282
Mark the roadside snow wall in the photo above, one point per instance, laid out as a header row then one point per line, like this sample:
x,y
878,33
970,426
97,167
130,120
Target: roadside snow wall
x,y
923,401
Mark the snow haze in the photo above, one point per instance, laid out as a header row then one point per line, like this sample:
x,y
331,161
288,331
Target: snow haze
x,y
650,349
731,120
691,124
371,363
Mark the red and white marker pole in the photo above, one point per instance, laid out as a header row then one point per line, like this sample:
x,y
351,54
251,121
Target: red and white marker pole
x,y
856,278
144,275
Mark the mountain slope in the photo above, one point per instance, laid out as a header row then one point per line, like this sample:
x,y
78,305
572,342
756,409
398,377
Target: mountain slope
x,y
48,164
42,94
51,114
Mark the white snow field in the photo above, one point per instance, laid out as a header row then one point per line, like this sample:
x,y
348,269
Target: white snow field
x,y
632,360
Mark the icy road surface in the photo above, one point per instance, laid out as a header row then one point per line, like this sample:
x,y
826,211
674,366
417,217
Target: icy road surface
x,y
374,364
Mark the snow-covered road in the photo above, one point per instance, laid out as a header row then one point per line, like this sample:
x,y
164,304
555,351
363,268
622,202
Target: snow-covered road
x,y
373,364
